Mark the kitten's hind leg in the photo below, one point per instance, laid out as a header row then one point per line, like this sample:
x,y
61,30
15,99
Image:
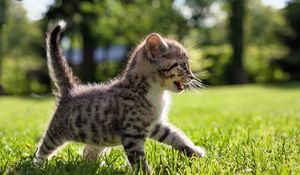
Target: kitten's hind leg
x,y
51,141
91,152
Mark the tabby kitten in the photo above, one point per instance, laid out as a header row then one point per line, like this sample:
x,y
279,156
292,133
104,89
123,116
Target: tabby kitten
x,y
125,110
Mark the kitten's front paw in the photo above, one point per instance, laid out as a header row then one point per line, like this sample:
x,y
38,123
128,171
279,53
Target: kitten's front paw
x,y
199,151
194,151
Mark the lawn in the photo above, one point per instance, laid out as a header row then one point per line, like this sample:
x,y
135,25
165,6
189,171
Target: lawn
x,y
245,129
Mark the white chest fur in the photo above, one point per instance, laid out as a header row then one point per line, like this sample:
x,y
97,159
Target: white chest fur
x,y
160,100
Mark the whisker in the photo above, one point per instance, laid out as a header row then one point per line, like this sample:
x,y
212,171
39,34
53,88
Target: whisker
x,y
197,79
193,81
204,74
192,87
197,84
197,87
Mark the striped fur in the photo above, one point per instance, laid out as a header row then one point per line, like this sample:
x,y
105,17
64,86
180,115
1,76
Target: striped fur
x,y
60,72
125,110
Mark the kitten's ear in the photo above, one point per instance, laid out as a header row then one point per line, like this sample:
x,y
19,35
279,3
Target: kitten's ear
x,y
155,45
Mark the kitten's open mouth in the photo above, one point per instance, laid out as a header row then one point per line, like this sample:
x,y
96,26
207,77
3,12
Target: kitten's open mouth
x,y
179,85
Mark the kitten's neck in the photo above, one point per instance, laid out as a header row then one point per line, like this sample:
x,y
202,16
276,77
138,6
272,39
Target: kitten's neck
x,y
143,84
140,72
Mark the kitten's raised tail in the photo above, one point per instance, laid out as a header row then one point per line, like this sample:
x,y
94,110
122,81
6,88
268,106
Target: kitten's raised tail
x,y
60,72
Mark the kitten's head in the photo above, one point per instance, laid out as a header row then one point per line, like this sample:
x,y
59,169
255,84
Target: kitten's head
x,y
170,62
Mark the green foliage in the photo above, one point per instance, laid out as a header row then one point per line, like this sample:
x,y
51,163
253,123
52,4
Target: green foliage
x,y
19,36
16,79
107,70
290,37
3,16
20,44
256,135
218,57
138,18
263,24
258,63
211,61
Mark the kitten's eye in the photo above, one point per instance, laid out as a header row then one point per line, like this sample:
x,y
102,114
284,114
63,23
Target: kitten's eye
x,y
183,66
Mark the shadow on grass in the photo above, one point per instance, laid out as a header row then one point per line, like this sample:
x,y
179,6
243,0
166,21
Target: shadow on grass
x,y
63,167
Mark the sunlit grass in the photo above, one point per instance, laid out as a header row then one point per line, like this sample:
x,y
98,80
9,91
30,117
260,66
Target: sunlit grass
x,y
245,130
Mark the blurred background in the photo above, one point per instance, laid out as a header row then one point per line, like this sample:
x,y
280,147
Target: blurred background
x,y
229,41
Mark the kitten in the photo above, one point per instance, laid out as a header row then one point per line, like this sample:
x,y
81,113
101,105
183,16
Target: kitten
x,y
124,111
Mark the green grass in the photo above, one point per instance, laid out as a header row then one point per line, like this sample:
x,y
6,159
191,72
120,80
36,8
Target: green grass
x,y
245,130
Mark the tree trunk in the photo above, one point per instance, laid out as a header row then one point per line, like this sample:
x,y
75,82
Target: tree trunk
x,y
236,72
88,65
